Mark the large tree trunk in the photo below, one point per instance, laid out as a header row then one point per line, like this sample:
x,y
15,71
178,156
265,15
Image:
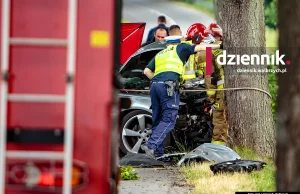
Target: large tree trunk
x,y
249,112
288,113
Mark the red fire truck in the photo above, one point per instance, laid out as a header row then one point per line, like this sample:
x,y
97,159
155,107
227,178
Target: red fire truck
x,y
58,103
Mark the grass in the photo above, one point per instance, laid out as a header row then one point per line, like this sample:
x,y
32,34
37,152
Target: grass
x,y
197,6
210,1
271,38
205,182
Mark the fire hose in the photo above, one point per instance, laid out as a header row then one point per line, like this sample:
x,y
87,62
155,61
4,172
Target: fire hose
x,y
203,90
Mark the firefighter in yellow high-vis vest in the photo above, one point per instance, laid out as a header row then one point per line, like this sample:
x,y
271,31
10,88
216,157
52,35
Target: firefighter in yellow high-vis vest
x,y
220,131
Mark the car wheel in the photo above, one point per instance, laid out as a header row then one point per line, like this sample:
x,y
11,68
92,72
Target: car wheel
x,y
136,129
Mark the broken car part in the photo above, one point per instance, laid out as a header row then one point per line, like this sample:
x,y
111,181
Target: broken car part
x,y
237,166
210,152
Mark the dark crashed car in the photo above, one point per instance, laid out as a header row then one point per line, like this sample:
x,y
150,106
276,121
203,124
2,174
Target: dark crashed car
x,y
193,125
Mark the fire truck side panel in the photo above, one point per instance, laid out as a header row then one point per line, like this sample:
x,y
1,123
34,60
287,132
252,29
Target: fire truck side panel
x,y
94,91
42,70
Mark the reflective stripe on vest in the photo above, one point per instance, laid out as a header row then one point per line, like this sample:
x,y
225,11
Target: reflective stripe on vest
x,y
220,84
168,60
189,76
191,62
217,52
189,72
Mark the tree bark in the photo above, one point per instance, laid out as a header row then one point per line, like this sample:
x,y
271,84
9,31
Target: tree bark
x,y
288,112
249,111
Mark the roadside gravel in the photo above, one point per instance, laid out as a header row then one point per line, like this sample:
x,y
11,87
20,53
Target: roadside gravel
x,y
156,181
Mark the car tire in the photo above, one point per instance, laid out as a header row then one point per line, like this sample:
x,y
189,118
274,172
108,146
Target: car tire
x,y
131,122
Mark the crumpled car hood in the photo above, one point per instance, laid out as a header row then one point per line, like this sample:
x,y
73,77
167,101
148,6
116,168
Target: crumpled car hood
x,y
210,152
205,152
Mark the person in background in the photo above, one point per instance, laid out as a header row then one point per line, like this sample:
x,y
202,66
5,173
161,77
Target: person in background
x,y
159,35
161,23
175,30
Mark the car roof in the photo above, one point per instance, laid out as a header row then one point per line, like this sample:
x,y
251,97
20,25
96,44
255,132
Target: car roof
x,y
150,47
158,45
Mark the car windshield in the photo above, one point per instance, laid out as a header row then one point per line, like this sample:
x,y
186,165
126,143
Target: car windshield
x,y
138,62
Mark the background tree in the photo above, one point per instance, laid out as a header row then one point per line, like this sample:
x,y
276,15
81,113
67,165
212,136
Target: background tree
x,y
288,112
249,112
271,13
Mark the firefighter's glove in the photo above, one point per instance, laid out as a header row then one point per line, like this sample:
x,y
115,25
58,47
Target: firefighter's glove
x,y
196,39
209,39
221,45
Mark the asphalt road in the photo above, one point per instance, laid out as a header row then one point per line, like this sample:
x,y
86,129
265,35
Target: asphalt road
x,y
148,11
156,181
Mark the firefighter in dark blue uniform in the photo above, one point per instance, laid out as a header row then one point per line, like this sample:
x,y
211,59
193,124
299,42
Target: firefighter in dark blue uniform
x,y
165,71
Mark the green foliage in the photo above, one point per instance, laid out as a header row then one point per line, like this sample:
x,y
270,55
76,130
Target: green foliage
x,y
271,13
189,1
268,2
272,46
128,173
271,39
206,9
181,147
273,88
198,6
185,1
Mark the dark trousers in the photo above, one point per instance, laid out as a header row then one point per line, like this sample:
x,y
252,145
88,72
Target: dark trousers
x,y
164,115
